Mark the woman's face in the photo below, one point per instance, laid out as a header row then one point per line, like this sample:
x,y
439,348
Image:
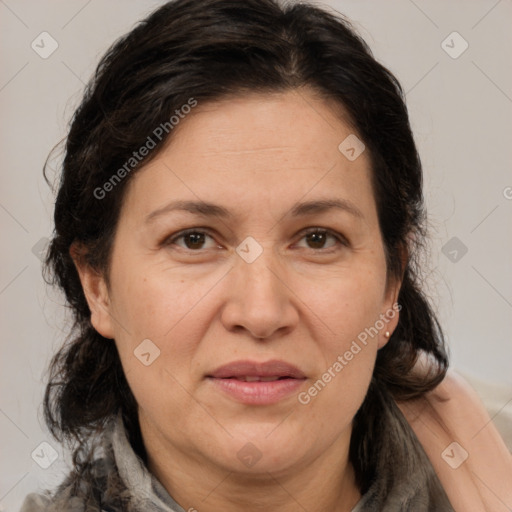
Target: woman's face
x,y
250,178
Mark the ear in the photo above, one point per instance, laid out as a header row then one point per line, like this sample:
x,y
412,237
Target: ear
x,y
96,292
391,312
389,316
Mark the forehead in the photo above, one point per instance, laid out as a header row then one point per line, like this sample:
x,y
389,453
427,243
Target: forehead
x,y
257,149
296,121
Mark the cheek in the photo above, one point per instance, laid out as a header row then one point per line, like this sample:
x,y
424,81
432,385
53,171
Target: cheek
x,y
160,319
348,358
347,302
152,302
350,307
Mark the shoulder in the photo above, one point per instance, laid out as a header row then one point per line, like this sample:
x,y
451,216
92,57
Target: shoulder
x,y
79,491
463,445
453,407
44,502
35,503
453,402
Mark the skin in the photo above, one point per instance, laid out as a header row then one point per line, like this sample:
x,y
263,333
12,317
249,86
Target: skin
x,y
453,412
204,306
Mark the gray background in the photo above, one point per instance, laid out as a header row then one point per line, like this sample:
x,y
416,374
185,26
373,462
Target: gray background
x,y
461,113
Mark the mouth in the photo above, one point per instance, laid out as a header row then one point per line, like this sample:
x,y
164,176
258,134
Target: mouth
x,y
258,378
274,369
254,383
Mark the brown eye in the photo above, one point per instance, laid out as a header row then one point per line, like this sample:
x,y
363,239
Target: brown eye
x,y
193,240
319,238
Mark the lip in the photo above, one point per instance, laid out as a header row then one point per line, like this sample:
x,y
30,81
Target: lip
x,y
273,368
258,392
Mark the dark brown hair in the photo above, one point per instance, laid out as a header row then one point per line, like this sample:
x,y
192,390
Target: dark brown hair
x,y
208,50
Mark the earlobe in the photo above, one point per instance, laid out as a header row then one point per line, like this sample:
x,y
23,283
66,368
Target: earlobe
x,y
391,315
96,293
384,337
387,332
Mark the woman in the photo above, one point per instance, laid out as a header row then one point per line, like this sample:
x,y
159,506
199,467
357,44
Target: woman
x,y
236,231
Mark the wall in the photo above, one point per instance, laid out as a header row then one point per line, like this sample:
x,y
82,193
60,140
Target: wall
x,y
461,115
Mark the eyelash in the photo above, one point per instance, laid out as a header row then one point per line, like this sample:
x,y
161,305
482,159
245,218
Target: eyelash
x,y
315,230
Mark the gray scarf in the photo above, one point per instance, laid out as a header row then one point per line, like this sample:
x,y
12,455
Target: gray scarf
x,y
118,481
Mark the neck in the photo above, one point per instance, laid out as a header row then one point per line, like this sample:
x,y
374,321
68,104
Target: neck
x,y
200,485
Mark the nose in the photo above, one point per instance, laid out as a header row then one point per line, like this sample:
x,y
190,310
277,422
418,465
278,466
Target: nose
x,y
260,301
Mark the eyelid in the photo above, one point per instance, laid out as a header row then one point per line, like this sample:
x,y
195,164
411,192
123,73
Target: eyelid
x,y
207,231
168,240
318,229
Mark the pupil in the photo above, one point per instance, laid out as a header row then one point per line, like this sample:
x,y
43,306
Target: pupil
x,y
196,239
317,238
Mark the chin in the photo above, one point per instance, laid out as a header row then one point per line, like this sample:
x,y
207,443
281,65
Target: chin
x,y
261,452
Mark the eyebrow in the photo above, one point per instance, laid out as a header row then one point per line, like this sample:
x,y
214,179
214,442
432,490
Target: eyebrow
x,y
206,209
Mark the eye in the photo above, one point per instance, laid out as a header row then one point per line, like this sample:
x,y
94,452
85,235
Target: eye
x,y
196,239
317,238
193,239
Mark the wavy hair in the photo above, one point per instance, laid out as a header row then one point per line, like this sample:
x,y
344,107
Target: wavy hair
x,y
209,50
